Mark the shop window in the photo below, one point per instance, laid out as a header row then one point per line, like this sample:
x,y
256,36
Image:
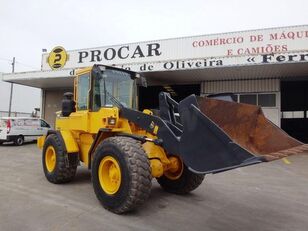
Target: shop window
x,y
267,100
249,99
293,114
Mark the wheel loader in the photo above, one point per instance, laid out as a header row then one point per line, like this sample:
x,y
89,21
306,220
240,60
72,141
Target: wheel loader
x,y
178,144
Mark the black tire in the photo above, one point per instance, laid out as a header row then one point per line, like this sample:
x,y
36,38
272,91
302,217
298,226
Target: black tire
x,y
186,183
1,142
61,172
19,140
135,184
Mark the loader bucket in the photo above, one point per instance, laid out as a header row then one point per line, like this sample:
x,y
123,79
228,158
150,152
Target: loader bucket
x,y
205,147
213,135
219,135
247,126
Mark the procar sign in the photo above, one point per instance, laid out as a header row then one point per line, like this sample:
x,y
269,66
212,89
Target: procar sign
x,y
130,53
120,53
57,58
236,48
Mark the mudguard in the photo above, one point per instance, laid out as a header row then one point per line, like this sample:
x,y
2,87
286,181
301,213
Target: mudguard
x,y
65,137
70,142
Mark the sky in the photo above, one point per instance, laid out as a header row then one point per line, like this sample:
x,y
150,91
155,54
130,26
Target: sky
x,y
26,27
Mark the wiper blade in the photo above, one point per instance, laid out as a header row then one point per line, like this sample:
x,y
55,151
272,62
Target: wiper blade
x,y
115,100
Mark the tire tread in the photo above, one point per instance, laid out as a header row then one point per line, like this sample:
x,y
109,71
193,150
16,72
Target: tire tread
x,y
62,173
188,182
139,171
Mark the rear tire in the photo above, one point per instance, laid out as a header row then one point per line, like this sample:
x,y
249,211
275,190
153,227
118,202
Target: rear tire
x,y
19,141
128,186
54,164
187,182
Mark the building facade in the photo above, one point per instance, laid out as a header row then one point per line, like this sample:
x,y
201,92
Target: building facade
x,y
266,67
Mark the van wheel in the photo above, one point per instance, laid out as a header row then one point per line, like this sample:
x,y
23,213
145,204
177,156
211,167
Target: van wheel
x,y
19,141
1,142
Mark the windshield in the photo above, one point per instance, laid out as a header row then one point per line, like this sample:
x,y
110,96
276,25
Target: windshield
x,y
112,84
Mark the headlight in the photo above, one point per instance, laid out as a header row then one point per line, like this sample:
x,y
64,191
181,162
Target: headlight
x,y
112,121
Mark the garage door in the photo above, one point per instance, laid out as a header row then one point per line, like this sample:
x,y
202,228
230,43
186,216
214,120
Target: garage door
x,y
52,104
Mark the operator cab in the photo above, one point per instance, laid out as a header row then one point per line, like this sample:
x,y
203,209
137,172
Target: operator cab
x,y
104,86
113,87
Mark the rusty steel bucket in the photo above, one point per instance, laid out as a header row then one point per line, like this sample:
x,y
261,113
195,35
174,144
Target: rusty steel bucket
x,y
247,126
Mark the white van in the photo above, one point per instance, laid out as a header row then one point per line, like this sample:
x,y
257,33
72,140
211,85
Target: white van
x,y
21,129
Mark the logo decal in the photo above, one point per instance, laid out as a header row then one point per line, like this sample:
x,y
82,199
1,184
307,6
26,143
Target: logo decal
x,y
57,58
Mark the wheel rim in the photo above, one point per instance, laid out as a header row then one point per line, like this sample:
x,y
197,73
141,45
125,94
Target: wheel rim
x,y
109,174
50,159
19,141
177,170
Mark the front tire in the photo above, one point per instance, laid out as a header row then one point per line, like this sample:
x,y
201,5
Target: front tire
x,y
121,174
53,159
185,183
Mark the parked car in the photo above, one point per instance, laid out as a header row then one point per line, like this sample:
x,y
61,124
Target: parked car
x,y
21,129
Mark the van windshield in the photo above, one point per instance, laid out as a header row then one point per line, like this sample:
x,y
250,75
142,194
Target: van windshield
x,y
3,123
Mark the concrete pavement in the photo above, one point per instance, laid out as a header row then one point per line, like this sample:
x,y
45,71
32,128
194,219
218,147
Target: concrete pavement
x,y
271,196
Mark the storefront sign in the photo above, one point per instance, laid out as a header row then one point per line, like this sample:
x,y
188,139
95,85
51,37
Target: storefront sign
x,y
237,48
57,58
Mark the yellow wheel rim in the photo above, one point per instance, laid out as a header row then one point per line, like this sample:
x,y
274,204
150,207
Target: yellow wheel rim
x,y
176,169
50,158
109,174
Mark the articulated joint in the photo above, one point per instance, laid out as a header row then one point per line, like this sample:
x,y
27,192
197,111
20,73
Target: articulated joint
x,y
157,168
142,139
173,170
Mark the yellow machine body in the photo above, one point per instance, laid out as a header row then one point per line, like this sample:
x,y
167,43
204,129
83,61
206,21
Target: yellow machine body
x,y
100,126
80,129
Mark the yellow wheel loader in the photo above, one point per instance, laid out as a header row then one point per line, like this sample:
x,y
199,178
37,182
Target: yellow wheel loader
x,y
124,148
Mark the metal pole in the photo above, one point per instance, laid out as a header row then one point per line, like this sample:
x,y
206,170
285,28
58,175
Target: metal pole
x,y
11,93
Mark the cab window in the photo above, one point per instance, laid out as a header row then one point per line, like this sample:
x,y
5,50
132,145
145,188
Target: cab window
x,y
83,91
113,84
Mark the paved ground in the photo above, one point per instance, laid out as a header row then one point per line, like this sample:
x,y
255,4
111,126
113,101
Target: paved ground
x,y
272,196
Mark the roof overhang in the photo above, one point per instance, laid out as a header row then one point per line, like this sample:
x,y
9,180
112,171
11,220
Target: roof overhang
x,y
64,78
286,70
42,79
